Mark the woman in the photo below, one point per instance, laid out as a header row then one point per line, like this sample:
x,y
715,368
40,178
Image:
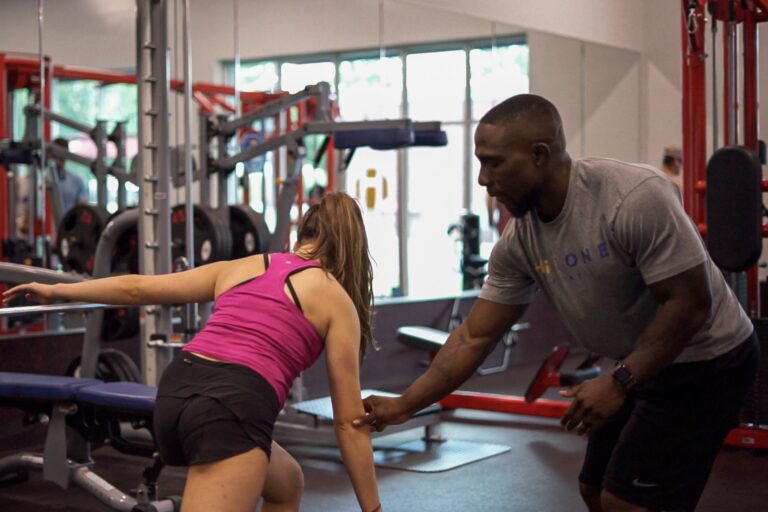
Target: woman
x,y
218,400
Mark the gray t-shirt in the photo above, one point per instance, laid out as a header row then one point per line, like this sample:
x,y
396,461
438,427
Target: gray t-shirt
x,y
622,227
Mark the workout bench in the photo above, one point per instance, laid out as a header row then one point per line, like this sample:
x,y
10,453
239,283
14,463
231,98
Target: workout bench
x,y
80,411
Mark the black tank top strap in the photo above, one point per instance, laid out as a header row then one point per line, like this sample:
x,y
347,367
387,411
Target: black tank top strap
x,y
293,293
266,261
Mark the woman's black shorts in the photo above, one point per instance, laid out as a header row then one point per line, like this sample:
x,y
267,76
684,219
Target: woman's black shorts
x,y
208,411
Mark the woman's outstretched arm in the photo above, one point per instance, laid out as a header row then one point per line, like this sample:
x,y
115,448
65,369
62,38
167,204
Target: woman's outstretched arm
x,y
196,285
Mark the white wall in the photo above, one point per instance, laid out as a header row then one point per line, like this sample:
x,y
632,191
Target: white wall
x,y
597,92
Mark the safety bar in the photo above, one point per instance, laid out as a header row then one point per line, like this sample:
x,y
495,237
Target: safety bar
x,y
52,116
67,307
320,90
16,273
312,127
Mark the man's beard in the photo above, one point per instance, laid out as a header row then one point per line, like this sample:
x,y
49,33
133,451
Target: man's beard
x,y
518,209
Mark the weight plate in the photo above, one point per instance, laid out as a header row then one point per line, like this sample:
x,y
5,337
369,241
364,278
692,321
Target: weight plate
x,y
212,241
250,234
77,236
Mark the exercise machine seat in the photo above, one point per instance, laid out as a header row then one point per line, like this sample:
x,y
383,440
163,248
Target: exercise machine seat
x,y
430,138
133,396
36,386
422,338
379,138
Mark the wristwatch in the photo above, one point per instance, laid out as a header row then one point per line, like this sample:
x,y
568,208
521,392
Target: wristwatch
x,y
623,376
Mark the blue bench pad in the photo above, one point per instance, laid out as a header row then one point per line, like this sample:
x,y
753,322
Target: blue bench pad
x,y
36,386
118,395
379,138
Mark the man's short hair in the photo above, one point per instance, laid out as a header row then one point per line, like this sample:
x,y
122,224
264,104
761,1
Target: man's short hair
x,y
521,106
673,152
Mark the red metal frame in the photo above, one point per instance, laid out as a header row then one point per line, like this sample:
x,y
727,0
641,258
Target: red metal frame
x,y
694,134
694,113
504,403
745,437
22,72
694,106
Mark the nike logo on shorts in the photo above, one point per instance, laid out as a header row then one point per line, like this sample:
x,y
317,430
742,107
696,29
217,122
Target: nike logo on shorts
x,y
637,483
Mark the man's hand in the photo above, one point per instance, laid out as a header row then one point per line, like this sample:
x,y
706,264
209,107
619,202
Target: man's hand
x,y
35,292
382,411
595,402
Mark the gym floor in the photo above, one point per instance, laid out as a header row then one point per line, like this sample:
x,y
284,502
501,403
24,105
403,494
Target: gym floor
x,y
538,474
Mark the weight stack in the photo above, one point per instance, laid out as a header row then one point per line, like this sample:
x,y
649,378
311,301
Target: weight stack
x,y
755,409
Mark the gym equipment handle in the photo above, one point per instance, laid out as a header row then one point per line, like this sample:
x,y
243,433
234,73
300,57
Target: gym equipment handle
x,y
68,307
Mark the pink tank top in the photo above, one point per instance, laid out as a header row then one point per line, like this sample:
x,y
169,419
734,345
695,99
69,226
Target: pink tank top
x,y
256,325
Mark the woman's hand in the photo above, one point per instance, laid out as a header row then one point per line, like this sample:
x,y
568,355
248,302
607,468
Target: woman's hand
x,y
35,292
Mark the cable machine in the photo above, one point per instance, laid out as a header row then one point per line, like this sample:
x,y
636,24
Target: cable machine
x,y
723,195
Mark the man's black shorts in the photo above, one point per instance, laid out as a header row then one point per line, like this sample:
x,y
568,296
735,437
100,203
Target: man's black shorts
x,y
658,452
208,411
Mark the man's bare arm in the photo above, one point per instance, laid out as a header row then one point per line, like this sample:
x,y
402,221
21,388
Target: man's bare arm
x,y
466,349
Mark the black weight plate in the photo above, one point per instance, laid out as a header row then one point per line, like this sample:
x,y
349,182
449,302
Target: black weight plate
x,y
212,241
77,236
250,234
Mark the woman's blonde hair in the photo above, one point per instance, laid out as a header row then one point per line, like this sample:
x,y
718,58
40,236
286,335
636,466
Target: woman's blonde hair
x,y
336,229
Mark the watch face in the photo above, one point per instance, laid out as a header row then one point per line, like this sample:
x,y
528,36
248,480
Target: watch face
x,y
622,374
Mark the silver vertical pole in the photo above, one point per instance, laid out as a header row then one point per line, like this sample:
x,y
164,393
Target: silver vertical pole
x,y
191,312
43,84
37,180
236,36
467,167
402,194
99,137
154,221
731,105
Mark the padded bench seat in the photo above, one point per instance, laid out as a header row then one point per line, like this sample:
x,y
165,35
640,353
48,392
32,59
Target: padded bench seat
x,y
422,134
34,386
118,395
422,338
432,340
378,138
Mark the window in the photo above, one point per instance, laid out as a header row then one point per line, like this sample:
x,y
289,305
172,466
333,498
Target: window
x,y
496,73
295,77
365,78
259,77
372,175
436,85
87,101
454,83
436,91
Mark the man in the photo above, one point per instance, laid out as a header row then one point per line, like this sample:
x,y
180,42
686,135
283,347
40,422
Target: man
x,y
615,253
672,164
71,187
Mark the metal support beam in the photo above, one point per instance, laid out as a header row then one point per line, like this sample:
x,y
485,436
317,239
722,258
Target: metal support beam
x,y
154,166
